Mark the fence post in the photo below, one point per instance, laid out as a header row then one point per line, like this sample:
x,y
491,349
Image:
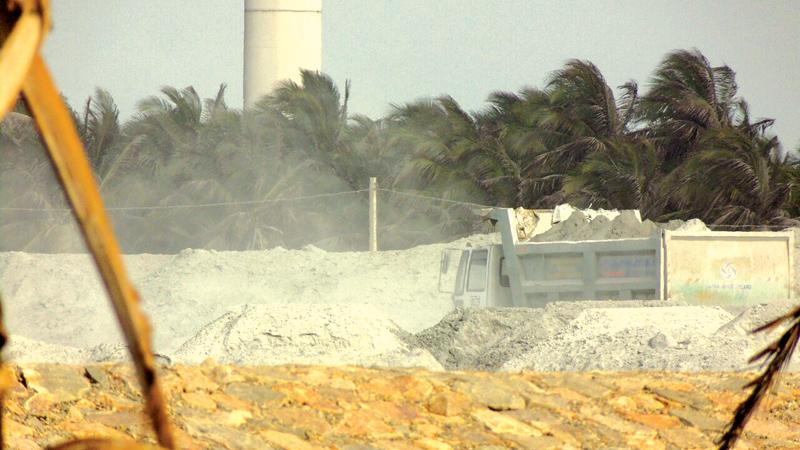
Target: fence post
x,y
373,214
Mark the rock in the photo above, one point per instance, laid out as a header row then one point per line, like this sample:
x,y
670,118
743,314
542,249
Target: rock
x,y
432,444
249,392
686,437
448,404
412,387
96,375
40,404
658,421
554,402
694,399
542,419
698,419
65,383
286,441
585,386
623,403
224,374
199,401
539,442
302,419
503,424
237,417
195,381
365,424
22,444
14,428
661,340
74,414
134,422
492,396
772,429
645,440
87,430
343,384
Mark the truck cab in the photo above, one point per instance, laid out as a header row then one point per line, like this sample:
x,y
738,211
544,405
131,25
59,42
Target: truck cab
x,y
475,277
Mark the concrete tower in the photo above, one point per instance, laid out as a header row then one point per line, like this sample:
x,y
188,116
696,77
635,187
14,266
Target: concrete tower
x,y
280,38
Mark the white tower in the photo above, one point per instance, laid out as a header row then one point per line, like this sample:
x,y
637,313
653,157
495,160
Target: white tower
x,y
280,38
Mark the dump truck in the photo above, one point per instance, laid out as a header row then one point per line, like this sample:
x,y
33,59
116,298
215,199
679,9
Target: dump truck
x,y
698,267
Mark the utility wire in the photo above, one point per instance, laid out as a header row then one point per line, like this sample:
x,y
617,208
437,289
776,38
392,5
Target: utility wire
x,y
253,202
318,196
455,202
196,205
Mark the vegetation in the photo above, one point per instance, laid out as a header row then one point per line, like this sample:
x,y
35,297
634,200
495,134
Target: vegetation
x,y
685,147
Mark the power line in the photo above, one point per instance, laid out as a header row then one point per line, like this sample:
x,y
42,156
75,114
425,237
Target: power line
x,y
456,202
196,205
254,202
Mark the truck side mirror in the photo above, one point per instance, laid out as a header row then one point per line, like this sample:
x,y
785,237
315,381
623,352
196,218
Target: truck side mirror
x,y
445,263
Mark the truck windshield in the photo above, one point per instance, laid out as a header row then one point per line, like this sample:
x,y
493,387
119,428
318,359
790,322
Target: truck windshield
x,y
462,270
476,281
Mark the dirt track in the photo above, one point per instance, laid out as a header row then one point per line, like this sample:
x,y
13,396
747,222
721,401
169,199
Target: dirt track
x,y
306,407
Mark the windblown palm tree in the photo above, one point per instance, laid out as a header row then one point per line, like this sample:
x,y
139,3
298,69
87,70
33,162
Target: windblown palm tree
x,y
733,178
686,98
443,141
311,118
626,175
581,115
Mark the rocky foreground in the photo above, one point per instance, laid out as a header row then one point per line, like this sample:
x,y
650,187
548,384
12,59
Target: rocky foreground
x,y
309,407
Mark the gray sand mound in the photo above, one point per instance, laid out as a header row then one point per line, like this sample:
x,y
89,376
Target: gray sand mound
x,y
21,349
689,338
485,339
58,299
303,334
578,227
464,337
581,227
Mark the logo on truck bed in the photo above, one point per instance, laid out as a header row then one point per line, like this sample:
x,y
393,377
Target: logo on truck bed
x,y
727,271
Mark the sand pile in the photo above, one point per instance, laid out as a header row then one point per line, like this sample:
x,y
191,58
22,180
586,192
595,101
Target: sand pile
x,y
58,299
688,338
473,339
579,227
283,334
58,302
602,335
588,225
464,337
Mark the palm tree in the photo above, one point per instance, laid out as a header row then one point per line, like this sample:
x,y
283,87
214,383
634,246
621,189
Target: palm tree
x,y
624,176
733,178
170,127
793,177
686,98
443,142
100,129
580,113
311,118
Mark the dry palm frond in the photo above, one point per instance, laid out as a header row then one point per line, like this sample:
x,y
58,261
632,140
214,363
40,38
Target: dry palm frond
x,y
776,356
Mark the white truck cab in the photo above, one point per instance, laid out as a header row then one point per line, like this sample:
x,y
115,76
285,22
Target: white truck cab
x,y
475,277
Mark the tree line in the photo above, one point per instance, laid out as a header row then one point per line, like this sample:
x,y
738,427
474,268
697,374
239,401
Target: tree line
x,y
684,147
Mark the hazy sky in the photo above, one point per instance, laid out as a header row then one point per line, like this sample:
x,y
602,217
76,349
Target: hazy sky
x,y
395,51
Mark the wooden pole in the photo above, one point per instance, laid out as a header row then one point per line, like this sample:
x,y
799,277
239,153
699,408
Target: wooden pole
x,y
373,214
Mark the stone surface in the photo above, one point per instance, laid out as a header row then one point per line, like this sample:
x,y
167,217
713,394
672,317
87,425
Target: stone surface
x,y
290,407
